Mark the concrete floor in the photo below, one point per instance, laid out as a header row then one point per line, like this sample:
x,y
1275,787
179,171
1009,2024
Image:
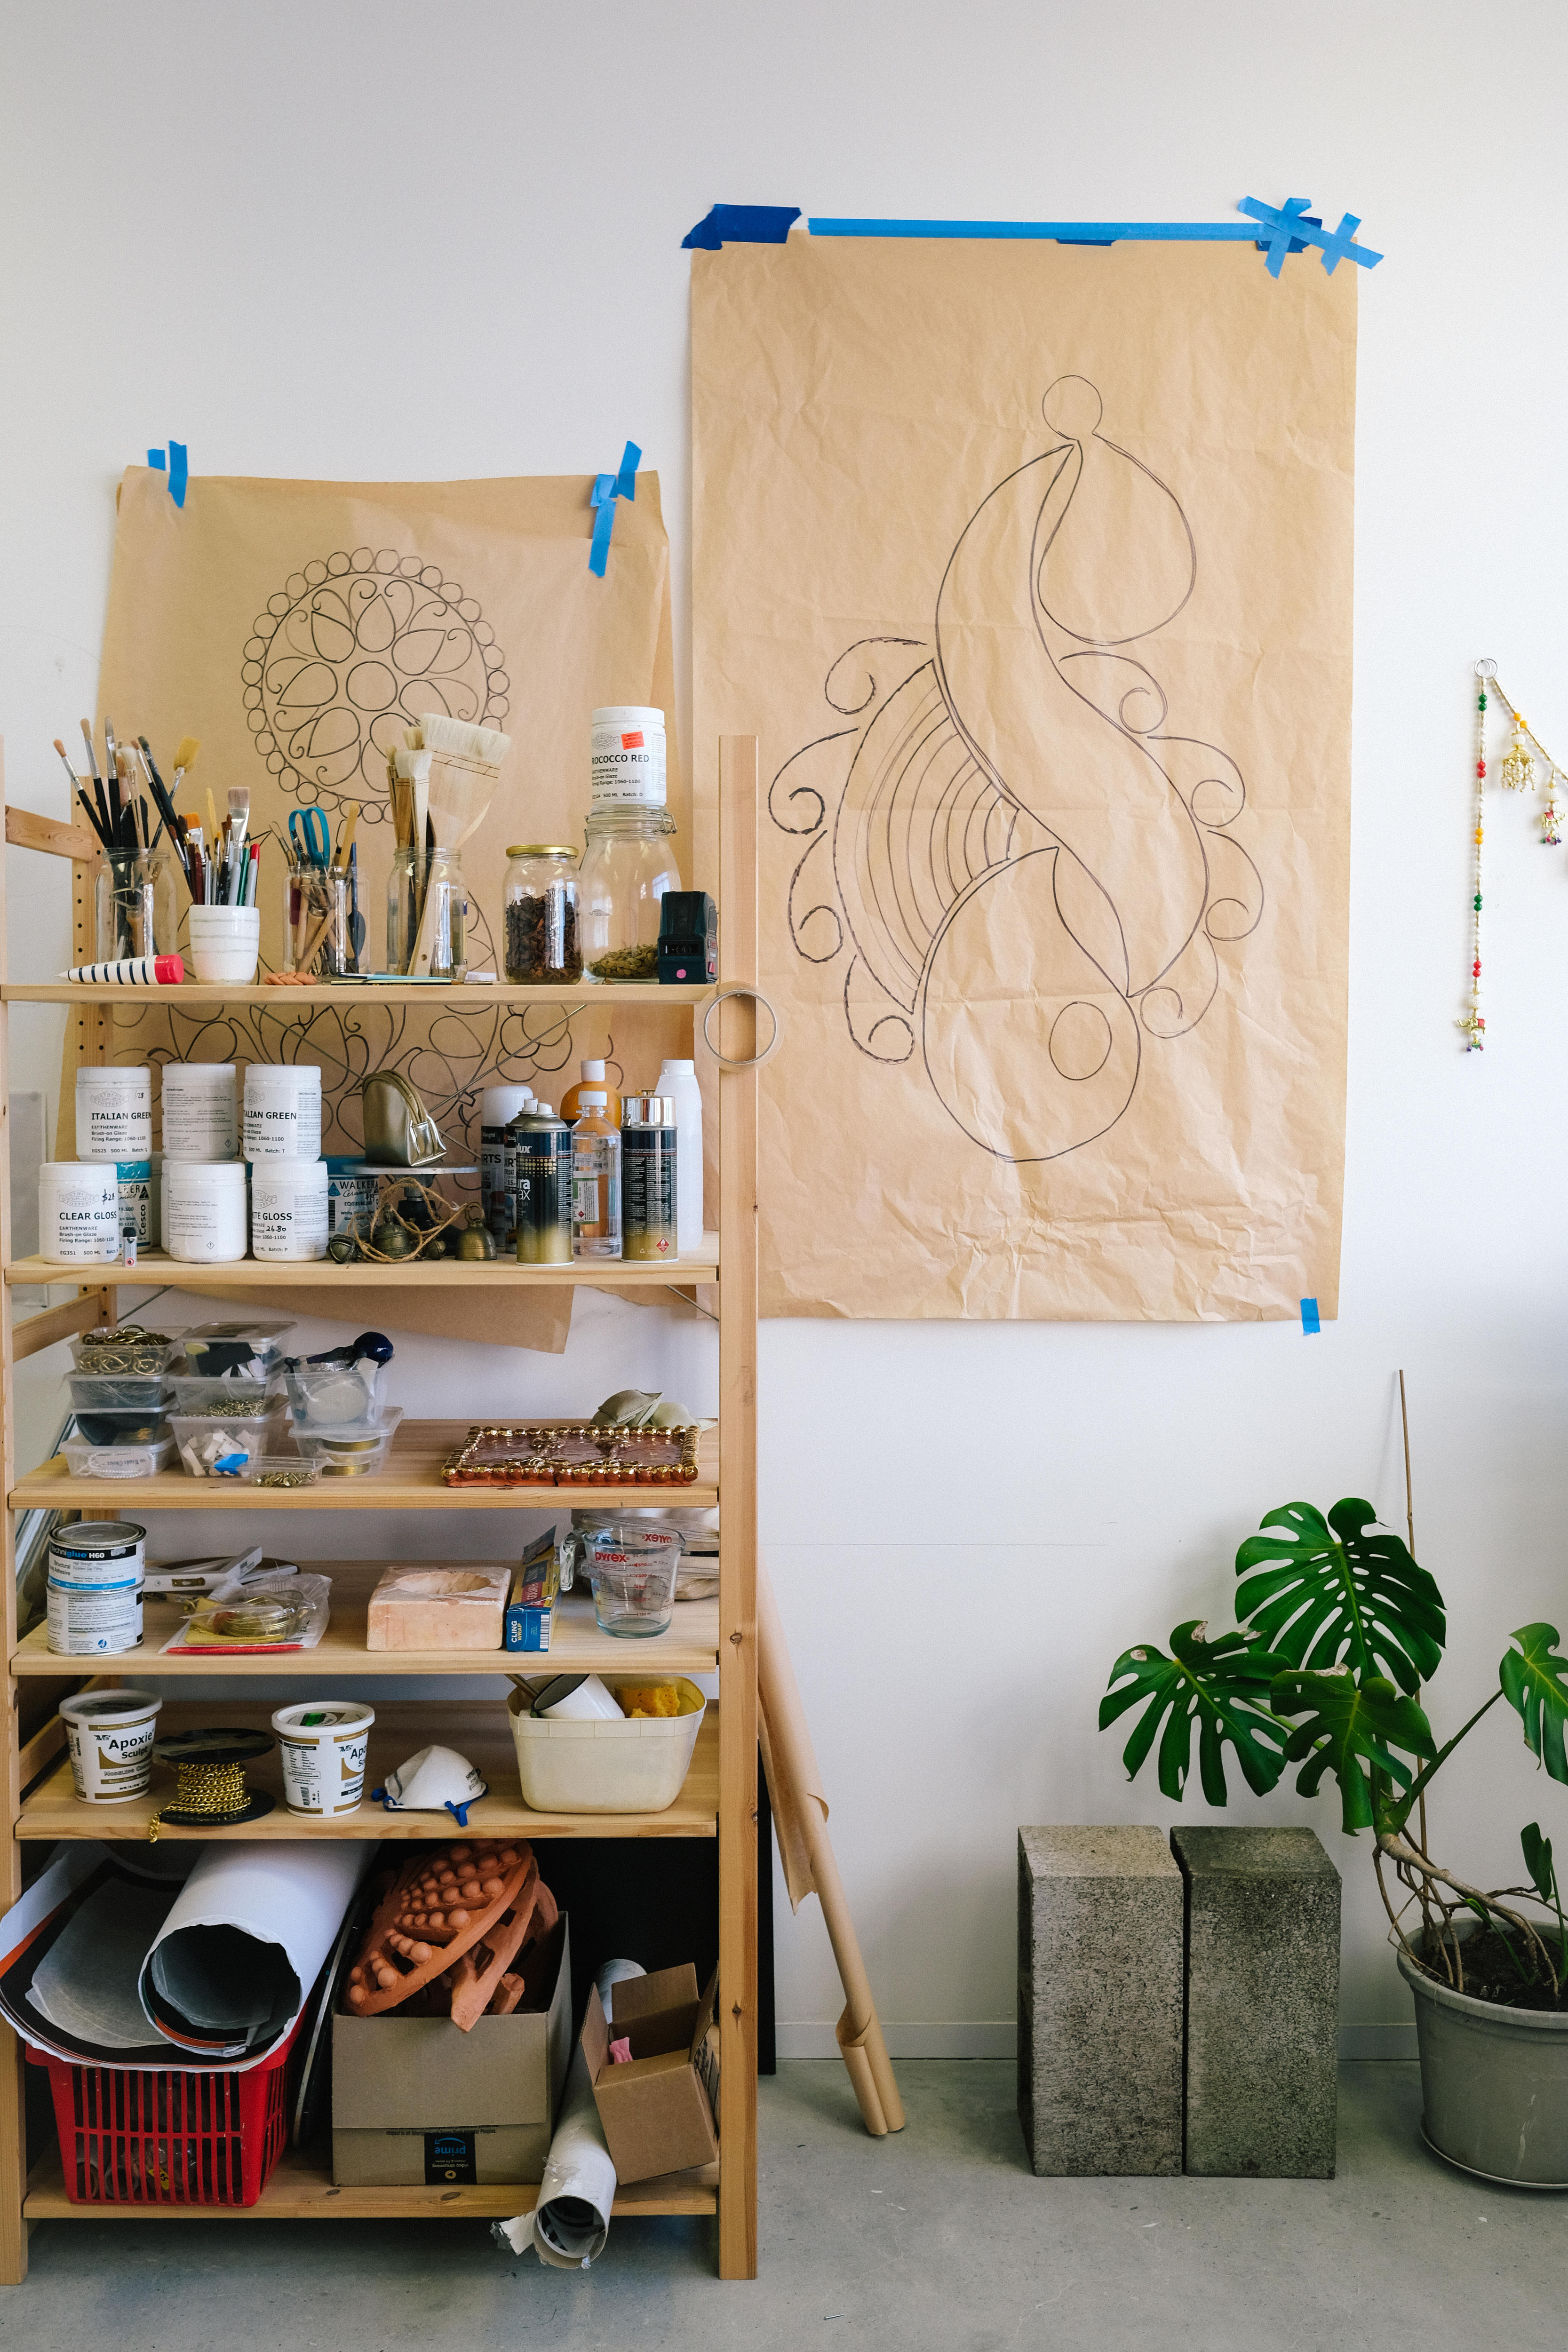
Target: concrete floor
x,y
939,2237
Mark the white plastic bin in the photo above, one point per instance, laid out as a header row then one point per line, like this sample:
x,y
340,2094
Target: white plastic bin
x,y
637,1766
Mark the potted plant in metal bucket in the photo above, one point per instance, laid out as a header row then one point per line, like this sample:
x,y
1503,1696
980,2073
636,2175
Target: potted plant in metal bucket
x,y
1338,1630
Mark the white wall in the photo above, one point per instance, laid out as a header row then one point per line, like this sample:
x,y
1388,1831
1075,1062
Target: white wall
x,y
229,224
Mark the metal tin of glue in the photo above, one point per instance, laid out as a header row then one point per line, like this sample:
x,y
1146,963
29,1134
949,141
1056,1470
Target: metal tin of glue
x,y
94,1588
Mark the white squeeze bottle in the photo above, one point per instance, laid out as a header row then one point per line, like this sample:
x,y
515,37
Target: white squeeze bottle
x,y
595,1179
678,1079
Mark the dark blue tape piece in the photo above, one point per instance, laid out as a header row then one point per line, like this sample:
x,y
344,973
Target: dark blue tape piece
x,y
1310,1323
741,225
1061,232
177,472
1293,221
157,460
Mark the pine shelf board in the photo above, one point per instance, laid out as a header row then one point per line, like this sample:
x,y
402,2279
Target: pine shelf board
x,y
410,1482
301,2189
479,1729
239,1275
205,995
576,1644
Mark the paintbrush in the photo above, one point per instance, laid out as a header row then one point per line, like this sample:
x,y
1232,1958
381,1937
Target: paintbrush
x,y
88,809
238,826
111,772
104,826
465,769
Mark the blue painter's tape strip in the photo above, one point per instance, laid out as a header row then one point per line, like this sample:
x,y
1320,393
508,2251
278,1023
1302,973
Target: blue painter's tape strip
x,y
741,225
608,488
1293,220
1060,232
1310,1325
177,472
157,460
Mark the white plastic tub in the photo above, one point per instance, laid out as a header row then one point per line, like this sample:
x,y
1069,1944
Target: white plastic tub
x,y
636,1766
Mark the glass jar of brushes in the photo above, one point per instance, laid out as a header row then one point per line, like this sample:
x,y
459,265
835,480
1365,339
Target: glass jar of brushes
x,y
134,905
316,936
427,914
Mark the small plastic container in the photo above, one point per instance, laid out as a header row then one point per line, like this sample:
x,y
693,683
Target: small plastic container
x,y
105,1351
355,1449
208,1211
226,944
637,1766
250,1350
282,1471
119,1393
89,1461
78,1212
137,1425
319,1392
196,1392
282,1111
217,1447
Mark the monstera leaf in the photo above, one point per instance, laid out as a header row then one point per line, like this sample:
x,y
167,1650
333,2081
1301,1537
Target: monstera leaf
x,y
1219,1686
1341,1592
1535,1682
1352,1730
1538,1861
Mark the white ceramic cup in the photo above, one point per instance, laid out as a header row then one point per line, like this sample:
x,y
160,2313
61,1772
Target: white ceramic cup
x,y
323,1743
226,944
111,1735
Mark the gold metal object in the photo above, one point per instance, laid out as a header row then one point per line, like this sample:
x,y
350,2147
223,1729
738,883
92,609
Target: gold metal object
x,y
573,1453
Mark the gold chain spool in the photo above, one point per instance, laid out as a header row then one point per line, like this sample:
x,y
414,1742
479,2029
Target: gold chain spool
x,y
210,1788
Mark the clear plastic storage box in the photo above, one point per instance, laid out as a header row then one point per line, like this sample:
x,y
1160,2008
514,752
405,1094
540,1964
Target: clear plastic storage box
x,y
355,1449
216,1446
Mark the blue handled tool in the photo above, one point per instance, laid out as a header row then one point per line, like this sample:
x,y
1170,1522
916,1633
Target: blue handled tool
x,y
311,826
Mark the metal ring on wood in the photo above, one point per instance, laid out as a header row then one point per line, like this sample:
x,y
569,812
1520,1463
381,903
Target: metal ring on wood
x,y
740,987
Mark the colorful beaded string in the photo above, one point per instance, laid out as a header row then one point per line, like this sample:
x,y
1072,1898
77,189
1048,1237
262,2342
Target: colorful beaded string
x,y
1473,1025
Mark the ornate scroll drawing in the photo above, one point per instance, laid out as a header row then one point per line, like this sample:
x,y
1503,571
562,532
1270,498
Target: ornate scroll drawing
x,y
1030,568
1057,792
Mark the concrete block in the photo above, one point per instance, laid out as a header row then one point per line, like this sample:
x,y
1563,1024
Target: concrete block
x,y
1100,2000
1263,2003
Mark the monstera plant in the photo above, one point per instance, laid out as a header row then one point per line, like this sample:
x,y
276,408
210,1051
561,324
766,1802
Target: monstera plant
x,y
1338,1630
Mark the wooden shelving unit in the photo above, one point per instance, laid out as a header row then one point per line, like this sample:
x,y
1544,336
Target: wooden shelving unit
x,y
719,1799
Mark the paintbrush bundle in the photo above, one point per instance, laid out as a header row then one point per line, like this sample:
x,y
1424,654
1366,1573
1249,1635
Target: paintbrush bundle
x,y
463,771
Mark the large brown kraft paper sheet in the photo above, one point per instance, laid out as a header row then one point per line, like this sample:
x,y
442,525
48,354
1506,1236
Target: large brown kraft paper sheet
x,y
295,628
1031,567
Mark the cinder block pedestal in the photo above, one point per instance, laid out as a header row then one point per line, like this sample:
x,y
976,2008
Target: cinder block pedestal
x,y
1100,2000
1263,2003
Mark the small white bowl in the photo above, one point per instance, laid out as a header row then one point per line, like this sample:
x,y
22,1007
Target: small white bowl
x,y
226,944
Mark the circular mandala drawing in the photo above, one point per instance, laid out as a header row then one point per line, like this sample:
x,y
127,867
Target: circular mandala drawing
x,y
352,650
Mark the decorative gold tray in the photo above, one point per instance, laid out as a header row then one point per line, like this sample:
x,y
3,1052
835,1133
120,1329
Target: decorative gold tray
x,y
573,1453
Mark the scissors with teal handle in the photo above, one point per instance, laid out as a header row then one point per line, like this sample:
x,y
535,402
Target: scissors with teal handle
x,y
312,826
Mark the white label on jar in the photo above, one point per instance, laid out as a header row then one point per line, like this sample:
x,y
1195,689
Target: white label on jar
x,y
627,766
287,1220
85,1619
323,1774
200,1123
113,1120
136,1208
286,1127
350,1204
79,1214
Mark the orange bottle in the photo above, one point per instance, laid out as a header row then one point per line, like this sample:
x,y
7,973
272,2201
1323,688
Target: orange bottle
x,y
592,1075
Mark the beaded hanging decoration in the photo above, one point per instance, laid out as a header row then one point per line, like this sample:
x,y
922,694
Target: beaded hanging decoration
x,y
1517,773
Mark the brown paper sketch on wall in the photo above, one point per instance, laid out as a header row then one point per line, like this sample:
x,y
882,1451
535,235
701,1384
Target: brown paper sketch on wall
x,y
295,628
1054,885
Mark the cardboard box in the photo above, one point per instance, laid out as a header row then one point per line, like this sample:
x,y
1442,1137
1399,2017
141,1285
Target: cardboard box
x,y
415,2101
535,1588
658,2110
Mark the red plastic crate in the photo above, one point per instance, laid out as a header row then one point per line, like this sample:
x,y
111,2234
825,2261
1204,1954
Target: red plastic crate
x,y
133,2138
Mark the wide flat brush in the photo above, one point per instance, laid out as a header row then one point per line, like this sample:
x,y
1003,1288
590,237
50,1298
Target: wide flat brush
x,y
238,826
465,769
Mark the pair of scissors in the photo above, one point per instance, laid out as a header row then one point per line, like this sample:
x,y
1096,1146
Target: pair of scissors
x,y
312,826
